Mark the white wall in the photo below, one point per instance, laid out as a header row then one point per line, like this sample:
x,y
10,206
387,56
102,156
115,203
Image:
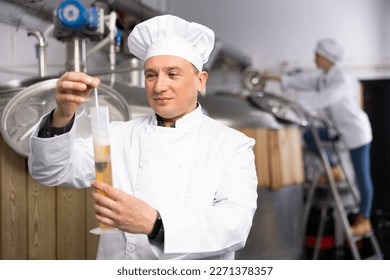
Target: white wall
x,y
273,32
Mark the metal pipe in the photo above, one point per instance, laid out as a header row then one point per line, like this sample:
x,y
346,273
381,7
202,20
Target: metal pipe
x,y
40,50
112,52
132,7
76,55
48,31
98,46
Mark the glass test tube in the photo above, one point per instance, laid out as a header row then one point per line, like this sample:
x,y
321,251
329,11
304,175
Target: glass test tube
x,y
102,152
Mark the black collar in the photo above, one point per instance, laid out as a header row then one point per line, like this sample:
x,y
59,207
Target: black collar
x,y
161,123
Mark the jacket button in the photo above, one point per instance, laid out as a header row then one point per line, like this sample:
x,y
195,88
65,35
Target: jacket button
x,y
143,163
130,248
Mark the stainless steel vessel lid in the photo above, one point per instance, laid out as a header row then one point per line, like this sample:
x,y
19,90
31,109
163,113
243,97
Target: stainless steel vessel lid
x,y
21,83
235,111
12,87
282,108
25,109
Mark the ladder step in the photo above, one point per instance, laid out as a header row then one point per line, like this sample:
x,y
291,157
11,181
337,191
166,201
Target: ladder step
x,y
369,234
351,208
375,257
357,238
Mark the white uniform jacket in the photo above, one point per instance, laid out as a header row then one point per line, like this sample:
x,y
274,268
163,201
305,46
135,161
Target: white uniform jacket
x,y
200,176
336,94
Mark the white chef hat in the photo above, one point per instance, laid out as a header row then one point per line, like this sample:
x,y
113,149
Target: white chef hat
x,y
330,50
171,35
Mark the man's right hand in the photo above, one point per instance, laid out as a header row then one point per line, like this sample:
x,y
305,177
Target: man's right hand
x,y
72,90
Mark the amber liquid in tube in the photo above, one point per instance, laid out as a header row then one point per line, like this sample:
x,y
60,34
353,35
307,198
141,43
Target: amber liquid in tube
x,y
103,168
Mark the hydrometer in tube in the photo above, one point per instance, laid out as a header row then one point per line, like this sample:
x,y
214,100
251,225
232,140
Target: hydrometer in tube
x,y
102,152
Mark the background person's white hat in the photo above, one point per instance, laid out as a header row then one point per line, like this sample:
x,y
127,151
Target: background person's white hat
x,y
330,50
171,35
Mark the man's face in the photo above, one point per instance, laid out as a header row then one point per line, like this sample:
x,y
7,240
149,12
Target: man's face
x,y
172,85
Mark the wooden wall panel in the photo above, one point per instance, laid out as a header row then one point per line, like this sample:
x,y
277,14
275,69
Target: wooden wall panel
x,y
42,221
278,156
2,147
286,160
13,204
92,239
262,157
297,174
71,233
261,153
279,162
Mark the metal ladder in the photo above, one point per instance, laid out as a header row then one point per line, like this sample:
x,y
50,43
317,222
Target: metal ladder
x,y
289,111
334,199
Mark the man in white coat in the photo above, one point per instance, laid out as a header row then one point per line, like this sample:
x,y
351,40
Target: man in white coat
x,y
184,186
334,93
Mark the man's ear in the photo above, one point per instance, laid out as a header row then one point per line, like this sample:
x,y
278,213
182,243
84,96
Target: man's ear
x,y
202,80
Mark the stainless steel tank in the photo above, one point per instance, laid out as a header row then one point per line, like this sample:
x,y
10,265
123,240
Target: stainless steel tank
x,y
283,109
25,109
234,110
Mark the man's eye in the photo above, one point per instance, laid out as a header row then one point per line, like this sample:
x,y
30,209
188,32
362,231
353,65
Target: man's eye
x,y
173,74
149,75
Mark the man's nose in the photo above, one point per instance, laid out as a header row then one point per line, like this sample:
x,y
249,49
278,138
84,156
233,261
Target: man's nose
x,y
161,84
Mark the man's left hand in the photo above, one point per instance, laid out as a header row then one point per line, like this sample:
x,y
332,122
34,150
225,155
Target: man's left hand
x,y
121,210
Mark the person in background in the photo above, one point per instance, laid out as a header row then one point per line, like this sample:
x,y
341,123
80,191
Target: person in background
x,y
185,186
334,93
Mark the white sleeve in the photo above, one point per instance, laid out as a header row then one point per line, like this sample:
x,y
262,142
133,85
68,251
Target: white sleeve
x,y
299,82
61,160
318,100
310,96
